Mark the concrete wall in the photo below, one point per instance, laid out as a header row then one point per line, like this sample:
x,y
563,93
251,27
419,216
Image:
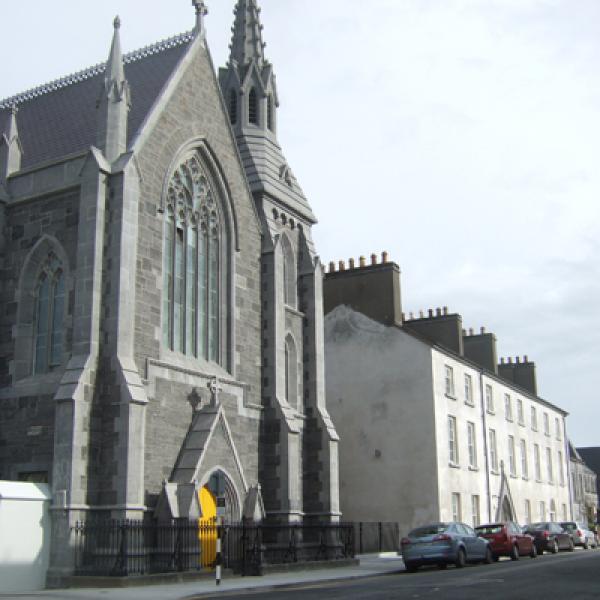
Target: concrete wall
x,y
381,400
25,536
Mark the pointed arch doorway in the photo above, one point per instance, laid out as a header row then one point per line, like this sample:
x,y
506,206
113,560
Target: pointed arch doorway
x,y
506,512
218,500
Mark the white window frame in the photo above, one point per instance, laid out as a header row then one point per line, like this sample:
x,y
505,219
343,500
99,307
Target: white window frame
x,y
537,462
524,463
534,421
449,381
561,471
476,510
493,450
489,399
456,508
527,511
549,465
546,424
452,441
508,407
558,429
512,462
472,444
469,390
520,412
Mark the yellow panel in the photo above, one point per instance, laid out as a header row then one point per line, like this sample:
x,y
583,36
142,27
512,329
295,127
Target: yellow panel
x,y
208,527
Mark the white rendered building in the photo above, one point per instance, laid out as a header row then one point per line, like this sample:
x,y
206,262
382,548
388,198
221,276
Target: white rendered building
x,y
431,426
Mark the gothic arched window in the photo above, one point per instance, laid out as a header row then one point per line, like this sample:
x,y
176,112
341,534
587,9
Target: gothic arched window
x,y
49,316
195,265
253,107
233,107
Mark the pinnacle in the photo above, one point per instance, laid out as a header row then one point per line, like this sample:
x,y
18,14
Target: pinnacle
x,y
246,43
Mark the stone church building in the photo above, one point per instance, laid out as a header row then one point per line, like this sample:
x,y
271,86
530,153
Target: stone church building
x,y
161,324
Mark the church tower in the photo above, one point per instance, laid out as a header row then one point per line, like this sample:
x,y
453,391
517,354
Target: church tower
x,y
299,444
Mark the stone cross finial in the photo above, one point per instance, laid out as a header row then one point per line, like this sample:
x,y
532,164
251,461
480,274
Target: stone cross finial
x,y
215,388
201,12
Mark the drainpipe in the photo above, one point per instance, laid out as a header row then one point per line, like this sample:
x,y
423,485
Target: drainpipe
x,y
485,447
567,459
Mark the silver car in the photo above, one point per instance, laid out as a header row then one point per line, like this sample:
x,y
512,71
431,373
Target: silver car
x,y
581,535
442,544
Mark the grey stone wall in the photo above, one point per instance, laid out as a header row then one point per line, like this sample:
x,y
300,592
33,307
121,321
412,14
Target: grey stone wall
x,y
26,403
194,111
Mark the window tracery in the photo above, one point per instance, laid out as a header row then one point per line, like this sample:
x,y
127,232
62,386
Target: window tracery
x,y
194,265
49,316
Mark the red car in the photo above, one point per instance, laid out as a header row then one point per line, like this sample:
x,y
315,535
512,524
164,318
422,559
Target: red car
x,y
507,539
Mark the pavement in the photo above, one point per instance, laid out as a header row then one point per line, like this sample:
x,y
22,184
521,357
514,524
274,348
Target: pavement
x,y
369,565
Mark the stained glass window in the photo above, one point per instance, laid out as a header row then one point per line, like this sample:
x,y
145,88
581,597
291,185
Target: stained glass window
x,y
194,265
49,315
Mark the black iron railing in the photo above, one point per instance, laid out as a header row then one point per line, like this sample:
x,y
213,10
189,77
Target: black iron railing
x,y
127,547
377,537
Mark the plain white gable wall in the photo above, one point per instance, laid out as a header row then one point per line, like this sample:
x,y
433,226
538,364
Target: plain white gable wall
x,y
24,536
380,397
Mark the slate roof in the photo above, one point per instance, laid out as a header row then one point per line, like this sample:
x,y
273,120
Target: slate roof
x,y
59,118
591,457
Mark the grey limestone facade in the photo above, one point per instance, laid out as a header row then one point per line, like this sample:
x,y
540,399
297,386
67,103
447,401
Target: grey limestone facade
x,y
162,312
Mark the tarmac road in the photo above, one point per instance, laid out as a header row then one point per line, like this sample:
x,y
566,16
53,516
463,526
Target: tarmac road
x,y
568,576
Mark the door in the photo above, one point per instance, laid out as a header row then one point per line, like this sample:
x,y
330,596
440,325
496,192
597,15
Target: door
x,y
207,528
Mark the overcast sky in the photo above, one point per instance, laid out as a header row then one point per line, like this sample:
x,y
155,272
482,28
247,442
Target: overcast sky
x,y
463,136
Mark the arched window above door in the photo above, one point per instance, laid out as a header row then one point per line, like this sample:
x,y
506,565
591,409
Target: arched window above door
x,y
196,266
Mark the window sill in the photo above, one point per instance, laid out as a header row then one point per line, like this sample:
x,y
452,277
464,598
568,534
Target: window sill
x,y
490,412
522,423
471,404
494,472
475,469
450,396
454,465
509,420
513,476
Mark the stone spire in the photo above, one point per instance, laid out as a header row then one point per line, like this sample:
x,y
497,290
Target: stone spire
x,y
114,102
10,147
246,43
249,89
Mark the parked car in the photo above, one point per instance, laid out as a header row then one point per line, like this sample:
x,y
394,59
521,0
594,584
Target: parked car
x,y
549,536
507,539
443,544
580,533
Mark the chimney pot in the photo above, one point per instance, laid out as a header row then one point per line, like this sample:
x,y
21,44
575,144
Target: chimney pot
x,y
482,331
518,359
351,263
526,359
438,312
464,332
471,332
510,360
445,310
421,315
363,262
332,267
411,316
342,265
430,312
373,259
384,257
502,361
